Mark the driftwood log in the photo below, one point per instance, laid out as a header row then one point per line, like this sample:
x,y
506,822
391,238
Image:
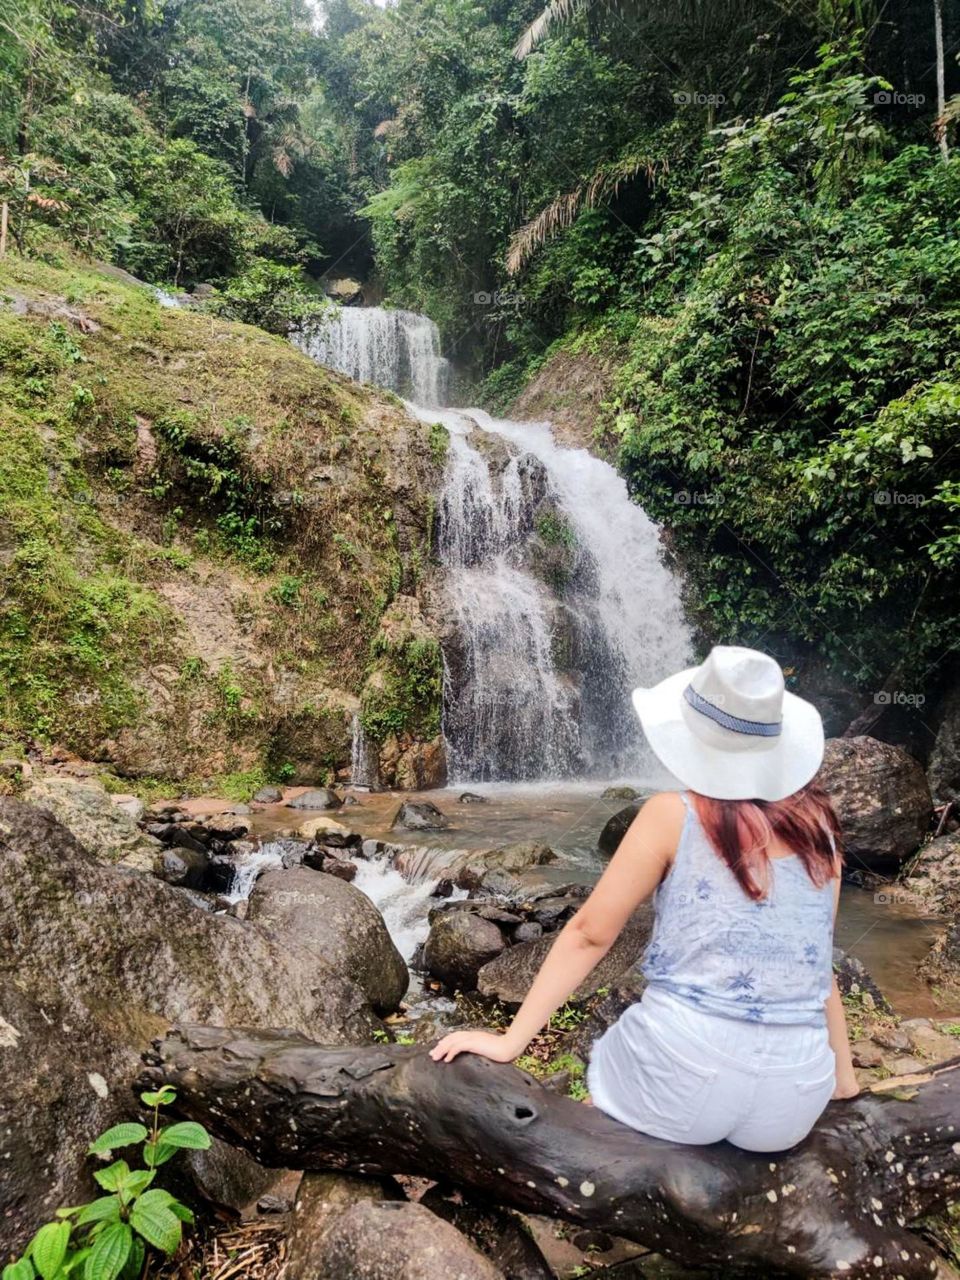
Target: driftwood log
x,y
840,1204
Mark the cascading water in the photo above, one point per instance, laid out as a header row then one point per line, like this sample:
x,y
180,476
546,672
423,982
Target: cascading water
x,y
399,350
557,600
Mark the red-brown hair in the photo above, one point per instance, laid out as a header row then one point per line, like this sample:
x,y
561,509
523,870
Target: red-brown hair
x,y
741,831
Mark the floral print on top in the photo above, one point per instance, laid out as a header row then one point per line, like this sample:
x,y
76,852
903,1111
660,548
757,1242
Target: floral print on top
x,y
719,950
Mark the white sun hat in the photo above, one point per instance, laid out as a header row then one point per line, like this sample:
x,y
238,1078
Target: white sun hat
x,y
729,729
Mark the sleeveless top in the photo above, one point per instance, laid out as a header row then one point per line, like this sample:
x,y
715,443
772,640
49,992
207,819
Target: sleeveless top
x,y
717,949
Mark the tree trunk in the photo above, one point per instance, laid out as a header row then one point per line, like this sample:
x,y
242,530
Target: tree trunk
x,y
837,1205
941,94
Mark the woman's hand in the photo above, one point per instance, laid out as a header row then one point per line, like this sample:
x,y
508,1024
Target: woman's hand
x,y
485,1044
847,1086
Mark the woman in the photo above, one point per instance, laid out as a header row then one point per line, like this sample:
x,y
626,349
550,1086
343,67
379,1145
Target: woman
x,y
740,1033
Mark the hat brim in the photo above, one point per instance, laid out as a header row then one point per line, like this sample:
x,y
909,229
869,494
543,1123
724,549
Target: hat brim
x,y
773,773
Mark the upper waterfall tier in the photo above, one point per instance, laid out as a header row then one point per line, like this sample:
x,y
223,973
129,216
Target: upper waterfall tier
x,y
399,350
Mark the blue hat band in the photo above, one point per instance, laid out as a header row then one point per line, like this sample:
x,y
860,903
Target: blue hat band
x,y
756,728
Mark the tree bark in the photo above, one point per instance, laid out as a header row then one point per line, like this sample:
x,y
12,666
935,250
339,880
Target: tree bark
x,y
837,1205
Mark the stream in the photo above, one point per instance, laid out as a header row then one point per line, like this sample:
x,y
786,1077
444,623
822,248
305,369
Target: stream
x,y
557,602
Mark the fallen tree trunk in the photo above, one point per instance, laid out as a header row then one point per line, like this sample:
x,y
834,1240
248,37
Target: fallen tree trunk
x,y
837,1205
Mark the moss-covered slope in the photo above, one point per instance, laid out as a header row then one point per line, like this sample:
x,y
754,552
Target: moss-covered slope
x,y
200,531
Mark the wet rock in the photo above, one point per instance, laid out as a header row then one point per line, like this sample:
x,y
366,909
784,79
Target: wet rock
x,y
173,833
615,829
509,976
342,868
458,946
228,1178
184,867
529,931
398,1240
228,826
419,816
316,798
550,913
240,810
471,797
882,799
422,766
620,793
337,923
97,961
476,867
102,827
268,795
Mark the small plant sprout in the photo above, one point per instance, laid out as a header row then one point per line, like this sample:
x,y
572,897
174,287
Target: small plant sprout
x,y
108,1238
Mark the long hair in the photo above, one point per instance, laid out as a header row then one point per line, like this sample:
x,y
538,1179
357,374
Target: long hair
x,y
741,832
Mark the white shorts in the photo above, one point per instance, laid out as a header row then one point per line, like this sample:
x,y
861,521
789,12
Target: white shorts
x,y
674,1072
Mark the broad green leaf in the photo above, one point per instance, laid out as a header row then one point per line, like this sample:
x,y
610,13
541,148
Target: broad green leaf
x,y
121,1135
76,1261
106,1209
186,1134
181,1210
157,1154
106,1259
138,1181
156,1223
111,1177
134,1263
19,1270
48,1248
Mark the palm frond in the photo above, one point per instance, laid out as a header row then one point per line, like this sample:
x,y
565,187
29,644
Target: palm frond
x,y
562,212
556,12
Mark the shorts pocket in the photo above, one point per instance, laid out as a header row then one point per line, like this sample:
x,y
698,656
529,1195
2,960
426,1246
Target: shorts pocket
x,y
672,1089
813,1090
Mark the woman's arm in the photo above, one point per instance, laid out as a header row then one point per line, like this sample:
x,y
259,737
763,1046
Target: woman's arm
x,y
847,1084
632,875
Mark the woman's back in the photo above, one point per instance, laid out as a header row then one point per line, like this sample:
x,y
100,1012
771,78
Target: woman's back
x,y
716,948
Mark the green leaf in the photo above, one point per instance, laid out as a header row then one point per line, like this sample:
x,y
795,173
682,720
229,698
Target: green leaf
x,y
138,1181
48,1248
186,1134
181,1210
106,1259
155,1222
105,1209
20,1270
157,1154
76,1260
160,1098
134,1264
121,1135
111,1177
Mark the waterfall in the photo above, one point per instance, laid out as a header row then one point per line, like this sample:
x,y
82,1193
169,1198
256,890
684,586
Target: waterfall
x,y
363,757
556,601
399,350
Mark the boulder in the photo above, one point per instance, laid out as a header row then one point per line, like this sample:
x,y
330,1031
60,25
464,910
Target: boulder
x,y
398,1240
419,816
268,795
422,766
620,793
471,797
943,768
935,879
508,977
87,810
95,962
475,867
460,943
882,800
338,924
615,829
186,867
326,830
321,1198
316,798
501,1235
